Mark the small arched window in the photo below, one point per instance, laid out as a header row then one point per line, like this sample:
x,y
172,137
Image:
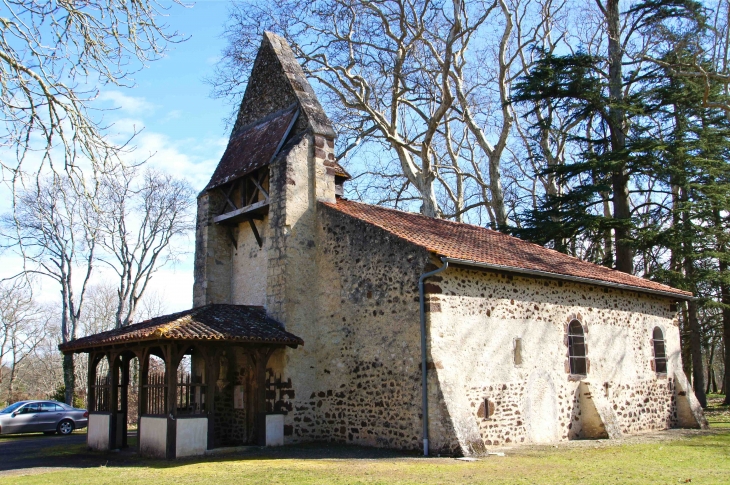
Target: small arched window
x,y
660,352
577,349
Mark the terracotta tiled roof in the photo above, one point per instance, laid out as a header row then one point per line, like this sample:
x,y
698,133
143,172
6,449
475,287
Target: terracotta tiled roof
x,y
479,245
341,172
253,147
233,323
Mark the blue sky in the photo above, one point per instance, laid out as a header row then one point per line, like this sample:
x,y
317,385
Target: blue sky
x,y
175,85
184,127
183,130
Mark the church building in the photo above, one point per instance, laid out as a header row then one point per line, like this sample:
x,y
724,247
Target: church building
x,y
317,318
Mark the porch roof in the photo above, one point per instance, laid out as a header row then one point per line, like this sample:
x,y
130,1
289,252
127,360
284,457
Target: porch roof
x,y
215,322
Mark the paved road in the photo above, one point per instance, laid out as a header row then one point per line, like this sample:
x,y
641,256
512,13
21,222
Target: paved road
x,y
28,451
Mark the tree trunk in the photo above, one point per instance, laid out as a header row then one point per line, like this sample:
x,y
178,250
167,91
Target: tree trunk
x,y
698,377
495,188
725,300
618,127
725,290
69,377
723,384
11,382
710,372
428,196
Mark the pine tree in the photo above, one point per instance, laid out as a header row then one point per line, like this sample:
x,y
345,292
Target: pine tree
x,y
686,148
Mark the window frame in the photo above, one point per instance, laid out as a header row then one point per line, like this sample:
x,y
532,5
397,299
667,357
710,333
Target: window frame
x,y
577,363
660,362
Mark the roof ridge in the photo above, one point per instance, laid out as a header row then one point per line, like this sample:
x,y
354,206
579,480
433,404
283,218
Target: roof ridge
x,y
186,317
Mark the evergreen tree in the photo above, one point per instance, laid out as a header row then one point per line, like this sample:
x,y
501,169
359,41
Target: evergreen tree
x,y
672,152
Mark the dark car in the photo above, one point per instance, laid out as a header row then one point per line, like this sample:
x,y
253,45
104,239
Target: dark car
x,y
47,416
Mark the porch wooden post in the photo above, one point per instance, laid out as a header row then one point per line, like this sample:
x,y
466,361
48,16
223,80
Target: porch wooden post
x,y
211,376
144,366
171,362
113,398
124,398
262,359
144,369
91,383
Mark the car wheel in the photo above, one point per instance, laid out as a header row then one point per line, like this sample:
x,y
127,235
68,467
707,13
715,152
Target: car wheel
x,y
65,427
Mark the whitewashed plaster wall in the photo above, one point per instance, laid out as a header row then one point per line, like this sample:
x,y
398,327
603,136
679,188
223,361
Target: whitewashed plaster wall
x,y
475,318
249,265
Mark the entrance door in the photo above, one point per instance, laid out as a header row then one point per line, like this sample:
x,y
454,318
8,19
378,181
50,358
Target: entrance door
x,y
24,420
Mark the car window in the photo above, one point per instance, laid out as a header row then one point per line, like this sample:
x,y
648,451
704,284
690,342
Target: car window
x,y
49,407
30,408
12,408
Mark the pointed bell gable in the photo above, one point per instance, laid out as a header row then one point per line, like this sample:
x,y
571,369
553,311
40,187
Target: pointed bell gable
x,y
276,82
278,103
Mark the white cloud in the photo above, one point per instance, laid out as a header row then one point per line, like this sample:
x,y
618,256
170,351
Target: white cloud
x,y
191,158
173,115
127,104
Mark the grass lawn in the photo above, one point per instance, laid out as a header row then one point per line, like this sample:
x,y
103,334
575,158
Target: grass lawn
x,y
689,457
717,414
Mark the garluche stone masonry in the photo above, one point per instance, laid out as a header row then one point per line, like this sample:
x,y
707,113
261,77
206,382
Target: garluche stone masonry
x,y
503,367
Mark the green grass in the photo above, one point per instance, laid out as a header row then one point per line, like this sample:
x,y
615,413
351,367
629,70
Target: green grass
x,y
718,416
703,459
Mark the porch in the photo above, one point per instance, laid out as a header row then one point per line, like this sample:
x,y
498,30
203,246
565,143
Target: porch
x,y
199,379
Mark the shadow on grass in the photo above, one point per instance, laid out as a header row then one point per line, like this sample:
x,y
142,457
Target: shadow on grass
x,y
48,452
40,451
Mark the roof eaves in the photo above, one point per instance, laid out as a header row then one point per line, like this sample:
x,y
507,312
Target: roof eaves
x,y
681,295
83,347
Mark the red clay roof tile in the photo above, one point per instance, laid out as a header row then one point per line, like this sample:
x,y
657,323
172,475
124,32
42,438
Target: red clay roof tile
x,y
253,147
477,244
233,323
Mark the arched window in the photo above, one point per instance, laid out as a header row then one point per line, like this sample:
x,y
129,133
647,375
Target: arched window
x,y
660,352
577,349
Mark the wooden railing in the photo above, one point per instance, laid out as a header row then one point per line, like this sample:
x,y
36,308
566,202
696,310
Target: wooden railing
x,y
190,394
156,393
102,390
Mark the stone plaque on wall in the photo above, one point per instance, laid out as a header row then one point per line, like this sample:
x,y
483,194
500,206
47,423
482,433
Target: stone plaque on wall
x,y
238,401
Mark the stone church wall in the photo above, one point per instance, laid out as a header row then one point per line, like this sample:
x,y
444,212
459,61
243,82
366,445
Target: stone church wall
x,y
357,379
349,290
212,253
475,319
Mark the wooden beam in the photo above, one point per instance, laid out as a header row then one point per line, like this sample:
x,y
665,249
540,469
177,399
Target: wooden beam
x,y
258,185
113,398
124,397
261,356
91,382
144,369
171,404
226,195
256,233
250,211
212,360
252,196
